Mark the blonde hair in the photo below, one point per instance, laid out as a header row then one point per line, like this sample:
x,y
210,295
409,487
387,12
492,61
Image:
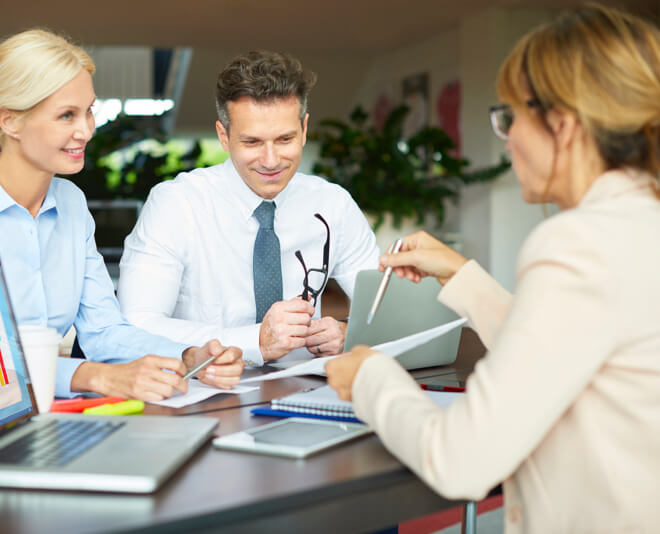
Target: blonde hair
x,y
602,64
33,65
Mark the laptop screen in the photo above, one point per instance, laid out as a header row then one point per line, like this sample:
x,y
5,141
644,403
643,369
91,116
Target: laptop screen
x,y
15,397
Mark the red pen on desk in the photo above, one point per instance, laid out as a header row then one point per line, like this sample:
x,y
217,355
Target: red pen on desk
x,y
440,387
80,403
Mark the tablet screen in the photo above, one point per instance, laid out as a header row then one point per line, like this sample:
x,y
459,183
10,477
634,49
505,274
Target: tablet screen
x,y
298,434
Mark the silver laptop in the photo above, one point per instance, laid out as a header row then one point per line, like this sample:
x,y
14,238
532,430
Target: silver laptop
x,y
133,454
406,309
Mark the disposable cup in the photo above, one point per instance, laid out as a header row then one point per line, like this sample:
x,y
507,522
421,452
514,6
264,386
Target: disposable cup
x,y
41,348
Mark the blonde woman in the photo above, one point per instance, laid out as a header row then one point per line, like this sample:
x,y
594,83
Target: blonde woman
x,y
54,273
564,410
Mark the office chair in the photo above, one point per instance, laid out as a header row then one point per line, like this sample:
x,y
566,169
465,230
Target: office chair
x,y
76,351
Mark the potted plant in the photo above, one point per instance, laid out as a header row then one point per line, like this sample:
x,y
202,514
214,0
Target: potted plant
x,y
387,174
118,167
124,159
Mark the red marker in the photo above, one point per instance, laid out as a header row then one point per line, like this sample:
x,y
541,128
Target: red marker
x,y
440,387
79,403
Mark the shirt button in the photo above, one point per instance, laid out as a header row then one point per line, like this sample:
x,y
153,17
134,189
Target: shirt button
x,y
514,513
250,362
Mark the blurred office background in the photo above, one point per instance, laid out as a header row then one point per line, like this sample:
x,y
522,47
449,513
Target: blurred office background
x,y
158,62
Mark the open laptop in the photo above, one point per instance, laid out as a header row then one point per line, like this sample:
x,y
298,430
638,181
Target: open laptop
x,y
406,308
133,454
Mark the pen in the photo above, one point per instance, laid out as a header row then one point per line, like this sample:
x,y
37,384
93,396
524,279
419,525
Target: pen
x,y
440,387
394,248
121,408
201,366
79,404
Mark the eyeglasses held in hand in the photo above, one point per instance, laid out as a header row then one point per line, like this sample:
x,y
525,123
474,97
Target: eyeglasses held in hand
x,y
315,279
501,117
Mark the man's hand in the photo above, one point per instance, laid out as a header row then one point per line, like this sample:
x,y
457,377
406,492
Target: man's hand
x,y
325,336
224,372
147,378
284,328
341,371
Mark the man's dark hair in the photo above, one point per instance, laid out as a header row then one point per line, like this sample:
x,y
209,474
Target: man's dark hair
x,y
263,76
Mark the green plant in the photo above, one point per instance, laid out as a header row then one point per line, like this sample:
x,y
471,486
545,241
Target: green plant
x,y
128,156
386,174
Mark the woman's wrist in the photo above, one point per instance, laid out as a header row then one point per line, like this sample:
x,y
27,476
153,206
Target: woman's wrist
x,y
89,377
456,266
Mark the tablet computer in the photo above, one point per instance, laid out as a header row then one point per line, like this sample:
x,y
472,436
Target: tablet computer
x,y
294,437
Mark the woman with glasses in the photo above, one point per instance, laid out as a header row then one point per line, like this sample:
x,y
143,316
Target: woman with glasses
x,y
55,275
564,410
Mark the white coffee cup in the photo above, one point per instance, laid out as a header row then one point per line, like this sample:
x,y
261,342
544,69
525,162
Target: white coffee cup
x,y
41,347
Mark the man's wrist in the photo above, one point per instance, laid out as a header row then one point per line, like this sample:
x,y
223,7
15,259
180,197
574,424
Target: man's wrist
x,y
188,357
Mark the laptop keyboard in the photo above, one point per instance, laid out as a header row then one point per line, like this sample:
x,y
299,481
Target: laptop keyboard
x,y
56,443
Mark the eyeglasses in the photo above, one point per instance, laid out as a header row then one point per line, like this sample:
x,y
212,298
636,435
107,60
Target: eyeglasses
x,y
501,117
315,279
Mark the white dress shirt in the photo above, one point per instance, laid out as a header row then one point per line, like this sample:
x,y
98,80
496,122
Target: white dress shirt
x,y
186,271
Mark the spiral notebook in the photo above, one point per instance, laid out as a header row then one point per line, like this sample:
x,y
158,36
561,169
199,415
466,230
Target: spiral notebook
x,y
319,401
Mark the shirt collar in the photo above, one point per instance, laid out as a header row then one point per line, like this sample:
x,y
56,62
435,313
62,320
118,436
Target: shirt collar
x,y
615,183
5,200
248,199
49,203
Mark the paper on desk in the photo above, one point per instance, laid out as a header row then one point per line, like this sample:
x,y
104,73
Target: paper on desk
x,y
391,348
198,391
308,367
399,346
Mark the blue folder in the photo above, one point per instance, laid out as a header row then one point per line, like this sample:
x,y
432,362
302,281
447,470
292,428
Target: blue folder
x,y
269,412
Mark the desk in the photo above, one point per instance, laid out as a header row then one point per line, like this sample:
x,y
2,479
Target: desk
x,y
356,487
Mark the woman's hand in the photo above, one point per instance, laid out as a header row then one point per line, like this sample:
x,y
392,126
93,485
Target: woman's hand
x,y
224,372
154,378
423,255
150,378
341,371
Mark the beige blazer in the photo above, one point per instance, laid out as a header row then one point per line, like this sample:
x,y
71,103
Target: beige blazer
x,y
565,407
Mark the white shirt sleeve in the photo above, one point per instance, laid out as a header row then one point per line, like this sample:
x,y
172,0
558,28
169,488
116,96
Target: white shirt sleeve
x,y
356,246
151,271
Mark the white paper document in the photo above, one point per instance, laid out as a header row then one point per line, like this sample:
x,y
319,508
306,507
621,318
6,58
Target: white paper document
x,y
391,348
399,346
198,391
314,366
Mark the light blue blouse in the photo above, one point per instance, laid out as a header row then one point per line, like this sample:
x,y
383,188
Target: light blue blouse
x,y
57,278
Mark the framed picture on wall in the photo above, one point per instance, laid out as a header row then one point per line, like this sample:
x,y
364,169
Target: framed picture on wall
x,y
415,91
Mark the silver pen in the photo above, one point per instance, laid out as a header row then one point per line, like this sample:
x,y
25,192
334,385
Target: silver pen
x,y
394,248
201,366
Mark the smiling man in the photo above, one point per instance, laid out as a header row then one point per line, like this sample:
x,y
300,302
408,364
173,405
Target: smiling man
x,y
242,251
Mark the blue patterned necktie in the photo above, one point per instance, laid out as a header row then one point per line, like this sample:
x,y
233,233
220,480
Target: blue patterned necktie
x,y
266,261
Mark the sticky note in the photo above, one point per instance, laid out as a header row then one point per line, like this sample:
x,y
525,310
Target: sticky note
x,y
120,408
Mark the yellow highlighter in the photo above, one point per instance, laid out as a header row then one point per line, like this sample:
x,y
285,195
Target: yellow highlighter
x,y
129,407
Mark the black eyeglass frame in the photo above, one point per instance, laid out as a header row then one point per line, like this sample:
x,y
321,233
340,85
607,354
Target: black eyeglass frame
x,y
307,289
495,111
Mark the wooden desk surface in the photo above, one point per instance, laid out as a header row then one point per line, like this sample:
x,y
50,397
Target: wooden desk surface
x,y
352,488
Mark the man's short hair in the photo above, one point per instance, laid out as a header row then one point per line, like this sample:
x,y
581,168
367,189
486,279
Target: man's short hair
x,y
263,76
